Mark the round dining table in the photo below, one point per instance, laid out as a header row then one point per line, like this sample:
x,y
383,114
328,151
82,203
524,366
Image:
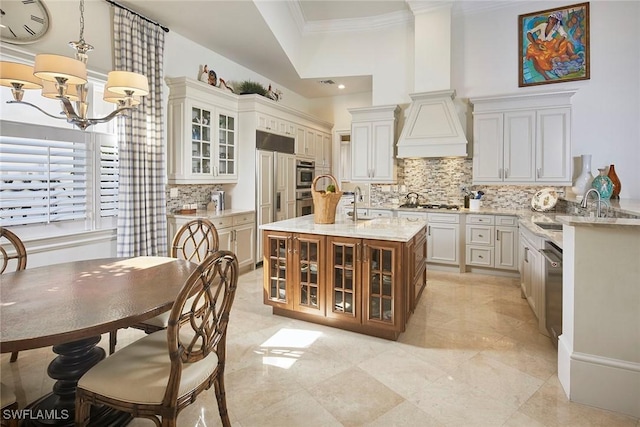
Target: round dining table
x,y
69,306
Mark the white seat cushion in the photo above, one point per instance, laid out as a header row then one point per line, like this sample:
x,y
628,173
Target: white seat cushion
x,y
139,372
7,396
162,320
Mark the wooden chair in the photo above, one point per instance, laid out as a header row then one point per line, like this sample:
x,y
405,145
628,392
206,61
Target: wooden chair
x,y
7,401
160,374
14,260
193,241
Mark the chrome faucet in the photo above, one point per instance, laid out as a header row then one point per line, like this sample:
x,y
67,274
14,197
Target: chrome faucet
x,y
585,199
357,193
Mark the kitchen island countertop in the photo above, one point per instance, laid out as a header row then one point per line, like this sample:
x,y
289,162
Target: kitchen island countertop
x,y
391,229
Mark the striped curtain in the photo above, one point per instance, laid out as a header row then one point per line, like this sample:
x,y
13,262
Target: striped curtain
x,y
142,220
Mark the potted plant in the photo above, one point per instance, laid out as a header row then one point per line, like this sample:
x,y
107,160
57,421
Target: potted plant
x,y
247,86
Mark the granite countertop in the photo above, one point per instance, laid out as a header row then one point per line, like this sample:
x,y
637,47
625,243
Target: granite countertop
x,y
391,229
203,213
598,222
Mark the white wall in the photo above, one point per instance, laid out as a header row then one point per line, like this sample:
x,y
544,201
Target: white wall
x,y
606,108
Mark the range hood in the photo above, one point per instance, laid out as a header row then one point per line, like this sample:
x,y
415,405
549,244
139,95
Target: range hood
x,y
432,127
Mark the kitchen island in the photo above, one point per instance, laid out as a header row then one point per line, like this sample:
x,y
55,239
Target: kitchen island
x,y
364,276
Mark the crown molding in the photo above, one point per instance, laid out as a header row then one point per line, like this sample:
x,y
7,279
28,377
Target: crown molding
x,y
358,24
297,15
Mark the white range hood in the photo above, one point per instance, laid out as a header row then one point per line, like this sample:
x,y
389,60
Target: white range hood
x,y
432,127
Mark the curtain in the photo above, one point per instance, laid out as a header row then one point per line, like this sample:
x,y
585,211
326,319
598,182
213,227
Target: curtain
x,y
142,221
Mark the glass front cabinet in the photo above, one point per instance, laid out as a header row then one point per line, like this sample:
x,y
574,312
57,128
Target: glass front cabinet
x,y
366,285
294,276
202,129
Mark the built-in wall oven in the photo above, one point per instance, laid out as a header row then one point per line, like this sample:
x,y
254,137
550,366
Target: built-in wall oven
x,y
553,290
304,202
305,173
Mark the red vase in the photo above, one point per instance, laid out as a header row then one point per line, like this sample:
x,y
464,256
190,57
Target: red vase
x,y
616,182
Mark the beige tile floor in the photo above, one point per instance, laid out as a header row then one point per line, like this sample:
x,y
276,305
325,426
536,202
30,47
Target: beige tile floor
x,y
471,356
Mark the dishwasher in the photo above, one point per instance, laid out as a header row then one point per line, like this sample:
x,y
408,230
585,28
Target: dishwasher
x,y
553,290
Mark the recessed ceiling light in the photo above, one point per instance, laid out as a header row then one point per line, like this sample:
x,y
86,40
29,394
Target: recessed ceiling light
x,y
341,86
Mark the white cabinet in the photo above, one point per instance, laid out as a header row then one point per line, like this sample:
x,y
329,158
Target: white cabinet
x,y
443,238
236,233
202,133
532,275
491,241
285,186
373,137
323,150
522,139
274,124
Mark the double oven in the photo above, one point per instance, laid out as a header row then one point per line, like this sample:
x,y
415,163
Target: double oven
x,y
305,174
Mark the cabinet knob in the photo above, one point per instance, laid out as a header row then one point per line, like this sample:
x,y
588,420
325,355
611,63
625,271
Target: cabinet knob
x,y
480,256
480,235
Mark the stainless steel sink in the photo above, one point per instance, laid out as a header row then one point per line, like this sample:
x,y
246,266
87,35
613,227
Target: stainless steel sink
x,y
549,225
360,219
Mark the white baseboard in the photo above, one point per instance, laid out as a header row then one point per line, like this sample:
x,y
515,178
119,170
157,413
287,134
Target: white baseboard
x,y
599,381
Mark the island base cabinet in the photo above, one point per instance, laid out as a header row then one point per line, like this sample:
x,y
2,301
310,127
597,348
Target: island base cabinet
x,y
354,284
293,274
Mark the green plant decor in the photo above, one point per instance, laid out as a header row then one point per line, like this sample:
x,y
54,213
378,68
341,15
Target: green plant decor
x,y
248,86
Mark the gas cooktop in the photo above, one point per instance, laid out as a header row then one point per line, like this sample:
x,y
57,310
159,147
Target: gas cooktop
x,y
431,206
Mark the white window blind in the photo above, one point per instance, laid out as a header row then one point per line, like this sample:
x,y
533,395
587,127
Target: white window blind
x,y
52,175
109,174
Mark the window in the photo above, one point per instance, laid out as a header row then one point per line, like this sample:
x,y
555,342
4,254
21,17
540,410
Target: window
x,y
60,179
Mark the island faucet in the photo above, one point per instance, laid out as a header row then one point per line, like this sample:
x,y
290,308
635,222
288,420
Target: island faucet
x,y
585,199
357,193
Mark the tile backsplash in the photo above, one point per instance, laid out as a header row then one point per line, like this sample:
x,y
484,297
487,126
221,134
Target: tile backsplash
x,y
440,181
190,193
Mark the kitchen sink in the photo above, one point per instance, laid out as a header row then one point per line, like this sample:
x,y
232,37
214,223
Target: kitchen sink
x,y
361,219
549,225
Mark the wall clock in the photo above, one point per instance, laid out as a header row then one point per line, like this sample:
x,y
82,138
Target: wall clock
x,y
24,21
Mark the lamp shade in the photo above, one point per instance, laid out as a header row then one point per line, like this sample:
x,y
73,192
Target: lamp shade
x,y
115,98
125,81
12,72
49,90
48,67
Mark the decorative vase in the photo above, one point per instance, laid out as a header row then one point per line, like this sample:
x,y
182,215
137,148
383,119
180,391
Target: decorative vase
x,y
603,184
617,186
583,182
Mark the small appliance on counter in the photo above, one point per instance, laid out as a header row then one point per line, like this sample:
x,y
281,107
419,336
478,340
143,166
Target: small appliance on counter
x,y
217,200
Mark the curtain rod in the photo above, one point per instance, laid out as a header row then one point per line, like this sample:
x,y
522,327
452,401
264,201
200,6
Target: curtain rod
x,y
166,30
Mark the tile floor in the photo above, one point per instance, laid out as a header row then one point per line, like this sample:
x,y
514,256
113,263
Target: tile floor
x,y
471,356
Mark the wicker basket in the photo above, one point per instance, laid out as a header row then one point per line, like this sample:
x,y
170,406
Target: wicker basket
x,y
324,204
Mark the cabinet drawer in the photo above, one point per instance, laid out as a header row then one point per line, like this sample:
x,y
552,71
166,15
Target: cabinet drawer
x,y
247,218
481,256
480,219
444,218
417,215
222,222
381,213
480,235
506,221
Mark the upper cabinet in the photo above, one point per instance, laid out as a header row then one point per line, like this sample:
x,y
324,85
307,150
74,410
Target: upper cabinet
x,y
373,137
202,132
522,139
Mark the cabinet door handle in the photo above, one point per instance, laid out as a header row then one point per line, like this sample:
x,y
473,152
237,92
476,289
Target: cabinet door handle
x,y
295,245
429,231
500,173
364,253
538,172
506,173
289,244
526,255
497,234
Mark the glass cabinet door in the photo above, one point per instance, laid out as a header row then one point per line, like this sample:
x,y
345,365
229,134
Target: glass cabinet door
x,y
310,296
380,283
226,145
201,149
276,282
344,300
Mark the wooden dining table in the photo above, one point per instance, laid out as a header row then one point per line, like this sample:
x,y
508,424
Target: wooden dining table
x,y
70,305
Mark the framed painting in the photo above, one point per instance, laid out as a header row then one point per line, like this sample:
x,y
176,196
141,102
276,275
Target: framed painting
x,y
553,45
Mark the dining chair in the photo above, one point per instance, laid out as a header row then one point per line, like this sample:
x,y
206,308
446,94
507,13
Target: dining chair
x,y
13,260
7,402
160,374
193,242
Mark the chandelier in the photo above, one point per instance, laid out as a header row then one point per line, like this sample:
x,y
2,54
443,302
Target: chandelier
x,y
64,78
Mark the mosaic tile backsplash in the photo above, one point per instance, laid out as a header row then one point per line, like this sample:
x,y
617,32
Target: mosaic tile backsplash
x,y
188,194
440,181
